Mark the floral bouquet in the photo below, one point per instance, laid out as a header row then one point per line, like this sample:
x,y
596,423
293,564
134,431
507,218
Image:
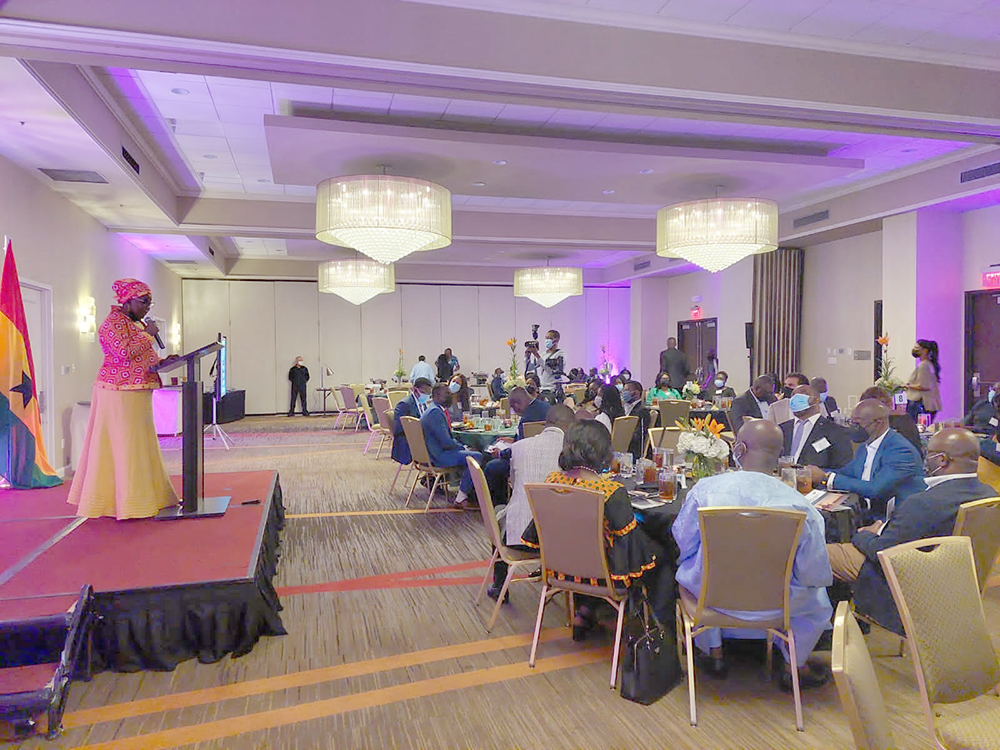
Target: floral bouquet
x,y
702,445
691,391
399,373
605,369
514,380
887,379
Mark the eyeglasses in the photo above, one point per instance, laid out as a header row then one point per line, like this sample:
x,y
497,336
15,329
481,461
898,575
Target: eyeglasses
x,y
147,300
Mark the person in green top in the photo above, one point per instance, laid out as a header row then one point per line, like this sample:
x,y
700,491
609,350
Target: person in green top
x,y
662,390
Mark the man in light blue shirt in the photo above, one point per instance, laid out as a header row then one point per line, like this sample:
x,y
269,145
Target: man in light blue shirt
x,y
756,451
422,369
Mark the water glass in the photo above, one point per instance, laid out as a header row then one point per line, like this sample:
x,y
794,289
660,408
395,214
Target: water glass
x,y
626,464
790,477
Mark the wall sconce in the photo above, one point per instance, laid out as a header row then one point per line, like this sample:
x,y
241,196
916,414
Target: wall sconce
x,y
175,336
87,319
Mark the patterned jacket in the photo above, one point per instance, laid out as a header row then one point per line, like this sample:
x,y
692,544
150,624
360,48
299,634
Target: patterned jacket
x,y
128,355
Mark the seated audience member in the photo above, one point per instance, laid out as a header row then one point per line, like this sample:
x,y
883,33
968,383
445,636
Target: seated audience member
x,y
754,404
756,451
792,381
990,450
952,455
901,423
532,384
718,387
810,438
632,555
662,390
983,417
531,460
636,406
496,385
413,405
885,467
444,450
497,470
609,406
460,397
624,376
829,407
590,394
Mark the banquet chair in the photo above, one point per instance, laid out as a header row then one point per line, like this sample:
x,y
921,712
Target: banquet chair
x,y
622,430
517,560
664,437
729,537
857,685
673,411
383,417
360,395
980,521
989,473
34,680
396,396
938,599
348,403
570,525
505,408
533,428
654,419
422,461
374,428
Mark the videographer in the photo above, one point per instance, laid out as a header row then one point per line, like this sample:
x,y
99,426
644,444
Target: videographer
x,y
549,368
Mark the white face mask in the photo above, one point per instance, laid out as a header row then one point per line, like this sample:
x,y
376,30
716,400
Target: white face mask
x,y
598,401
454,387
720,383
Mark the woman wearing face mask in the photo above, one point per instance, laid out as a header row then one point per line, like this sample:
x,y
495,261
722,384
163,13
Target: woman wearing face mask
x,y
609,406
719,388
662,390
459,389
922,393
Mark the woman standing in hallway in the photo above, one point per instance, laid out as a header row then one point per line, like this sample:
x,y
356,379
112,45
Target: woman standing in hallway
x,y
922,389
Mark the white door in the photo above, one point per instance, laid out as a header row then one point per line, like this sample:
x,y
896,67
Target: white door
x,y
38,312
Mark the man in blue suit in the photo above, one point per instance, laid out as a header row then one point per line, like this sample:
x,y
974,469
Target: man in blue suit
x,y
497,471
444,450
411,406
887,466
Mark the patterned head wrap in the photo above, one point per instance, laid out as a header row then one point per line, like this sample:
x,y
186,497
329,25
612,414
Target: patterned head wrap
x,y
126,289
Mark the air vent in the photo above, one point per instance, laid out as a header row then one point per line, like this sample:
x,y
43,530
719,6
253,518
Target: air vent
x,y
642,264
74,175
805,221
980,172
182,262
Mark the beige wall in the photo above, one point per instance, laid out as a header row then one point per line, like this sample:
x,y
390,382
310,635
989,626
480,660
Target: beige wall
x,y
58,245
841,281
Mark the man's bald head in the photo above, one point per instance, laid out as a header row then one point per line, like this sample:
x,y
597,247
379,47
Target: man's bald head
x,y
560,416
763,387
872,416
763,442
953,450
519,399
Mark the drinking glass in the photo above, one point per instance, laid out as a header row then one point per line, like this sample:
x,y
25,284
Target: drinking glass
x,y
626,464
649,471
790,477
668,485
785,462
658,455
803,480
616,463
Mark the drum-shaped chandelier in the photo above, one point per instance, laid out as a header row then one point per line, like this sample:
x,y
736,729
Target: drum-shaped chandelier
x,y
717,232
356,281
548,285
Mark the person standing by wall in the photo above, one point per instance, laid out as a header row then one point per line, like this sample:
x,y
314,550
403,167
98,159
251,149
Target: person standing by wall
x,y
298,376
922,393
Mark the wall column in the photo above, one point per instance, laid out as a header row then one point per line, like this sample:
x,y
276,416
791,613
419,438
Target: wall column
x,y
649,327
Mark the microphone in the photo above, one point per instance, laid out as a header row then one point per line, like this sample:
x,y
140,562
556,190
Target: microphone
x,y
159,341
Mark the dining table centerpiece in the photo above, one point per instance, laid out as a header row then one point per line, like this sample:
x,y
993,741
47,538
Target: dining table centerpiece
x,y
399,373
887,379
514,378
701,443
691,391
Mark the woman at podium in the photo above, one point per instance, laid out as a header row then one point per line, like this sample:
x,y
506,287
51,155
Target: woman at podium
x,y
121,471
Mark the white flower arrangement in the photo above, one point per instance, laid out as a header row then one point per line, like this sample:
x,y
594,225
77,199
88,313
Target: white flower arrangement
x,y
714,448
690,391
701,444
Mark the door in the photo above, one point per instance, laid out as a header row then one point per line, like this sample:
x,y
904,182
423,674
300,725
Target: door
x,y
696,338
982,356
38,313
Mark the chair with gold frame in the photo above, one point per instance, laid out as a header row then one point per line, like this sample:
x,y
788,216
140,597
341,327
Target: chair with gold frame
x,y
980,521
422,461
622,430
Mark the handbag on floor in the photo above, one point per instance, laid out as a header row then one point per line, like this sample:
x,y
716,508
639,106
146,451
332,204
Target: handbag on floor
x,y
650,666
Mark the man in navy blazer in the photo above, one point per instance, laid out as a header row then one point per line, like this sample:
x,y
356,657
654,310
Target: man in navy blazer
x,y
444,450
497,470
952,456
887,466
411,406
810,438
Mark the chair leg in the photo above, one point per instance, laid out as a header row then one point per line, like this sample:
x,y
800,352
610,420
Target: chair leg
x,y
430,496
620,606
357,422
380,444
336,422
486,576
538,624
393,485
413,486
570,609
796,692
503,593
770,650
689,644
371,436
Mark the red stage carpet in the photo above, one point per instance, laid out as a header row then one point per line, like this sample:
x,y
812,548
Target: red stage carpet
x,y
168,590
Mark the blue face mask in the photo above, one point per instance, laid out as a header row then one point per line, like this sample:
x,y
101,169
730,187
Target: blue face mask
x,y
620,387
549,344
627,397
823,395
798,402
720,383
454,387
423,398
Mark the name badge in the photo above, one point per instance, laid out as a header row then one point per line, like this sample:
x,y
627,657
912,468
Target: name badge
x,y
994,422
821,445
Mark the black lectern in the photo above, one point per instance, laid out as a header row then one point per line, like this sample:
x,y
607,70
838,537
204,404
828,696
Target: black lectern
x,y
194,504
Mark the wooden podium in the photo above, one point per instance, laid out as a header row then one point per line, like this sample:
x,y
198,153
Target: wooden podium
x,y
194,503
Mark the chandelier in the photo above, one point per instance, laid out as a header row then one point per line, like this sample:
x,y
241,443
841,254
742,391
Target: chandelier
x,y
357,281
717,232
548,286
383,216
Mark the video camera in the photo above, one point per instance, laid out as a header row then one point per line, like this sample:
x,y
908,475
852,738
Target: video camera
x,y
533,344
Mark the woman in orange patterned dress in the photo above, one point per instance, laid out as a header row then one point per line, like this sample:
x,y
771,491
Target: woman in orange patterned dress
x,y
633,556
121,471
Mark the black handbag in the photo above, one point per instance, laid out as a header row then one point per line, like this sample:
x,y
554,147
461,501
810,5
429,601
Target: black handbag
x,y
650,666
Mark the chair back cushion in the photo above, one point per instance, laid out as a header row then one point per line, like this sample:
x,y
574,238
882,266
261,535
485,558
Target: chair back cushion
x,y
396,396
415,439
980,521
672,412
857,684
664,437
570,525
621,432
989,473
933,582
348,397
380,404
485,501
747,557
531,429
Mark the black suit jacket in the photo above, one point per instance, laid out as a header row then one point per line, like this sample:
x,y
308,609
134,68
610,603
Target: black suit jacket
x,y
924,514
673,362
838,453
906,427
645,416
536,411
744,405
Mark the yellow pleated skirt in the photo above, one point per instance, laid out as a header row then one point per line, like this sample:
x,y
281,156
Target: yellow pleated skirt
x,y
121,471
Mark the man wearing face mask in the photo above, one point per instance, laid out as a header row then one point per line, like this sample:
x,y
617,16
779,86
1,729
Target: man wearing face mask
x,y
413,405
444,450
549,365
886,467
497,470
754,404
792,381
983,416
810,438
952,456
829,406
635,406
756,451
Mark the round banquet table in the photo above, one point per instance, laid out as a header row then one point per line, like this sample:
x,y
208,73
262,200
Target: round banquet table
x,y
479,440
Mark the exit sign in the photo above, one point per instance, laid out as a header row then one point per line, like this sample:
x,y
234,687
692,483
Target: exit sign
x,y
696,310
991,278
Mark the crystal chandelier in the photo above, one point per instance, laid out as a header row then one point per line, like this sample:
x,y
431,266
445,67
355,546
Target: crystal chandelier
x,y
548,286
717,232
383,216
356,281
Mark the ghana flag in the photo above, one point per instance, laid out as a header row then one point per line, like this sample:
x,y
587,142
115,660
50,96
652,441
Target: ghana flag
x,y
22,454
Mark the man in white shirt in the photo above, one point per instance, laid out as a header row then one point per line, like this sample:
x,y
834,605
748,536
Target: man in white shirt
x,y
531,460
422,369
810,438
550,367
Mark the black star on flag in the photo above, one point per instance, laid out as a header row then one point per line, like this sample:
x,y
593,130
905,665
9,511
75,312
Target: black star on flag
x,y
24,389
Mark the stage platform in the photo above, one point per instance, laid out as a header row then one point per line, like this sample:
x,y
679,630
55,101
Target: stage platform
x,y
166,591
